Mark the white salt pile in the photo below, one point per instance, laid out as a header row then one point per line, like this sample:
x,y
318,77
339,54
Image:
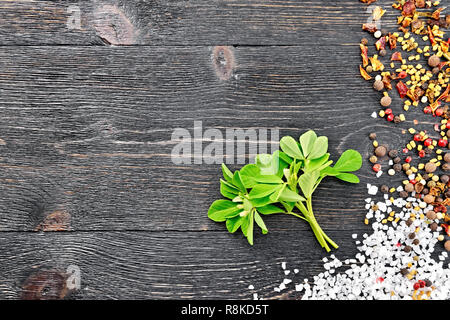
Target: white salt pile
x,y
394,262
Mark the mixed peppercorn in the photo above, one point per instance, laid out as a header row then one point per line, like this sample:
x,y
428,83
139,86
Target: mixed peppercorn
x,y
423,85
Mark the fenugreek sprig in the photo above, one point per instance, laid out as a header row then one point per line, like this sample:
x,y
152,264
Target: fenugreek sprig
x,y
282,182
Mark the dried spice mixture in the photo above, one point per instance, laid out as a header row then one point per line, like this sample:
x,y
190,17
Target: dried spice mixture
x,y
410,221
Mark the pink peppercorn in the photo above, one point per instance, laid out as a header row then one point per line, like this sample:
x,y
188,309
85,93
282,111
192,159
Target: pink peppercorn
x,y
442,142
390,117
416,286
376,167
408,159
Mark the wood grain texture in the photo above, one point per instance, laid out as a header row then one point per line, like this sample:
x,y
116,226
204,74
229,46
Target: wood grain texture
x,y
86,119
144,265
201,22
88,130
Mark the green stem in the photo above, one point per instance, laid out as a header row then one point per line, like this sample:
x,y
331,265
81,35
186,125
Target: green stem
x,y
308,213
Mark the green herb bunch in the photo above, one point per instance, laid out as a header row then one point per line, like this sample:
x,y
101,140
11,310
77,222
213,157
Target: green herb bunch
x,y
281,183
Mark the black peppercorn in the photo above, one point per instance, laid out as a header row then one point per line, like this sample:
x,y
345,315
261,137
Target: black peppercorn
x,y
409,222
393,153
407,249
412,235
416,242
384,188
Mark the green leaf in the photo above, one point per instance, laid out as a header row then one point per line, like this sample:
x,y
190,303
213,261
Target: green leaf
x,y
313,164
227,174
289,206
259,221
272,179
220,210
319,148
290,147
329,171
262,190
307,182
228,190
260,202
283,156
290,196
248,172
270,209
234,223
307,141
276,195
237,181
348,177
271,164
350,160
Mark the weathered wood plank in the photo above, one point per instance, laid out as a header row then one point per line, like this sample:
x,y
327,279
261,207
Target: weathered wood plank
x,y
204,22
146,265
87,131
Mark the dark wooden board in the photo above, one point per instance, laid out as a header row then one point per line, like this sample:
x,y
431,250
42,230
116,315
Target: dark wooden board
x,y
157,265
201,22
85,133
85,140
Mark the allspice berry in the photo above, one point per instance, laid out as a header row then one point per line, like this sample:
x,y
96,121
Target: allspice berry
x,y
447,157
445,167
409,187
386,101
378,85
373,136
380,151
383,52
428,198
447,245
431,215
444,178
433,226
384,188
434,61
418,187
430,167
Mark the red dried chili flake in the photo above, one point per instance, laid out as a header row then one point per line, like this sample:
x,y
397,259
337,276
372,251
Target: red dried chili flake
x,y
405,150
444,94
392,41
364,55
409,8
387,82
376,167
413,181
431,36
368,1
369,27
416,286
381,44
364,73
402,89
398,245
402,75
396,56
446,228
436,15
422,283
422,153
408,159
